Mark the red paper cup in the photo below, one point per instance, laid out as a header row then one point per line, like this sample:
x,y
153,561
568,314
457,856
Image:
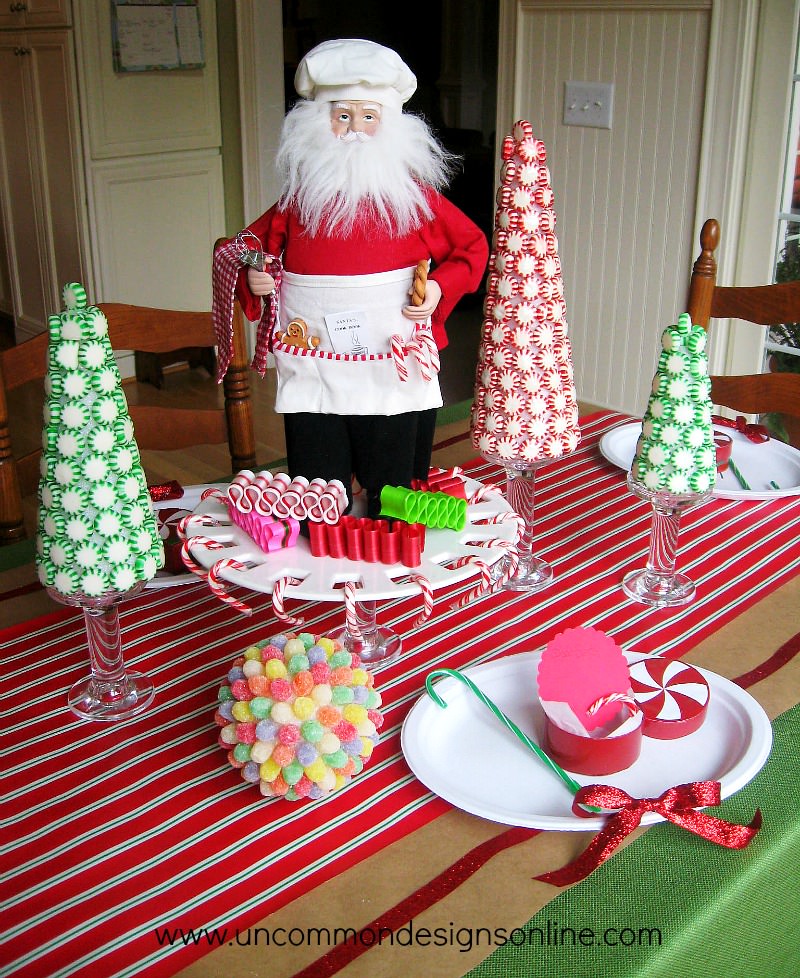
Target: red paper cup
x,y
593,755
724,446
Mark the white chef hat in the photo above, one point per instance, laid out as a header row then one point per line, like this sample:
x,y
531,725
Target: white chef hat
x,y
355,70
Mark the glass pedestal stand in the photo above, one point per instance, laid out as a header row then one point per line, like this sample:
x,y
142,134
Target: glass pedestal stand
x,y
374,646
658,584
110,691
532,573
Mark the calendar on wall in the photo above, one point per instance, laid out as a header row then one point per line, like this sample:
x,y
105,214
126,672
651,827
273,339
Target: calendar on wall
x,y
156,35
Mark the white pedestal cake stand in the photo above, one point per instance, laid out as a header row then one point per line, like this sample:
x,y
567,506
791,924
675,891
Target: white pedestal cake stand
x,y
305,577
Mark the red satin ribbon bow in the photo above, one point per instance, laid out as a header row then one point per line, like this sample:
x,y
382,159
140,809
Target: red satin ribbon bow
x,y
675,804
755,432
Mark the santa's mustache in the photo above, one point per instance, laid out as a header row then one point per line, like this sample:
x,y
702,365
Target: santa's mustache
x,y
353,136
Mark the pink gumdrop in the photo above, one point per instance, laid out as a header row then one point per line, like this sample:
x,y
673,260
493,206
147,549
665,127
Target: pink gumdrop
x,y
289,735
303,787
271,652
281,690
241,689
345,731
376,717
246,733
321,672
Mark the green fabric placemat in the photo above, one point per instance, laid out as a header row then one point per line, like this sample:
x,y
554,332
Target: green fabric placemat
x,y
676,906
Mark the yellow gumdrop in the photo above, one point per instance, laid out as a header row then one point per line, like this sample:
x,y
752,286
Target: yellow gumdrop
x,y
360,677
328,783
316,770
228,734
275,669
304,707
253,668
321,694
354,713
269,770
241,711
366,747
340,781
328,644
365,728
261,751
254,652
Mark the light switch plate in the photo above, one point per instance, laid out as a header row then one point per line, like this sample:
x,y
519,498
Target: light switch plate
x,y
588,104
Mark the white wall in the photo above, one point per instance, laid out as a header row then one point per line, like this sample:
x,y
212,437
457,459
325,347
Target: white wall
x,y
698,115
153,169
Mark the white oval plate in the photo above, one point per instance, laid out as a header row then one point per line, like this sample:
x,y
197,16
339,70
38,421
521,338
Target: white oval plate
x,y
759,463
464,754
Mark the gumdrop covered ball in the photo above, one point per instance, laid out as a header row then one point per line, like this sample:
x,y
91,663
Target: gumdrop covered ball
x,y
298,715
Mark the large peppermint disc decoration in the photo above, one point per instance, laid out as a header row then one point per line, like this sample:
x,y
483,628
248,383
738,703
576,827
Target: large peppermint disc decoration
x,y
672,695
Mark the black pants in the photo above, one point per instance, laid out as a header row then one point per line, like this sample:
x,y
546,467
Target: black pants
x,y
378,450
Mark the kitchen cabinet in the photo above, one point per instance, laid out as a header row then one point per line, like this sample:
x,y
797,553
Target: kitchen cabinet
x,y
41,186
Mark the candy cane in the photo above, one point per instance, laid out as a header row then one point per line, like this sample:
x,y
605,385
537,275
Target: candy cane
x,y
278,592
427,599
484,490
399,356
483,586
512,561
217,585
188,558
197,519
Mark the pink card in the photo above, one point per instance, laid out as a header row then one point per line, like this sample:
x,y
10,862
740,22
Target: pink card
x,y
579,667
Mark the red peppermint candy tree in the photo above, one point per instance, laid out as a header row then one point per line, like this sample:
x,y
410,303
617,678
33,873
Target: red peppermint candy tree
x,y
525,409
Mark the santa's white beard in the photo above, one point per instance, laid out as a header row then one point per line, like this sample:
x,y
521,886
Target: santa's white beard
x,y
335,182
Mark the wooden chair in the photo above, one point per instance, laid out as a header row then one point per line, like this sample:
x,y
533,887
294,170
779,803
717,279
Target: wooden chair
x,y
152,331
765,305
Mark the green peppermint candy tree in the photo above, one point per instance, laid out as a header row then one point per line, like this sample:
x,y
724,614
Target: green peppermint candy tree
x,y
96,530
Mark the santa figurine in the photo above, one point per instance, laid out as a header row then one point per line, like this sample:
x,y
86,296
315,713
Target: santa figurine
x,y
372,260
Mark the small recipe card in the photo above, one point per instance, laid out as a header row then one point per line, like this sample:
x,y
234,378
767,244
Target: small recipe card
x,y
350,333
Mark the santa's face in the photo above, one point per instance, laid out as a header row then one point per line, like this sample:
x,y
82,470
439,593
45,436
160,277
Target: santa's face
x,y
352,121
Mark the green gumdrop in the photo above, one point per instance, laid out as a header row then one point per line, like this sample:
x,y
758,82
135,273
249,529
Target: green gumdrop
x,y
298,663
292,772
311,730
292,795
373,700
307,639
341,695
339,659
260,707
242,752
337,759
225,693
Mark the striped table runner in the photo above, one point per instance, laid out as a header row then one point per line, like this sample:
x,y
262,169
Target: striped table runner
x,y
113,835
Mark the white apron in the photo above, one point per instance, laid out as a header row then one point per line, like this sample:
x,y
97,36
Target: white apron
x,y
334,347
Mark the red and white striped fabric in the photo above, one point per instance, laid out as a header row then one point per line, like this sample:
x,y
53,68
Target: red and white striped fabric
x,y
114,831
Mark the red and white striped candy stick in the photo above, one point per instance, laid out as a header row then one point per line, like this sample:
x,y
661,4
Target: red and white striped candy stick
x,y
217,585
427,599
278,593
350,613
398,349
188,558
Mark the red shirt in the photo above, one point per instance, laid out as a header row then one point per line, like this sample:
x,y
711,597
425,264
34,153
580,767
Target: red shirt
x,y
456,246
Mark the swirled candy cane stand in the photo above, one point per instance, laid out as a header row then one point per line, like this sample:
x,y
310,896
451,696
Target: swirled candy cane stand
x,y
221,552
